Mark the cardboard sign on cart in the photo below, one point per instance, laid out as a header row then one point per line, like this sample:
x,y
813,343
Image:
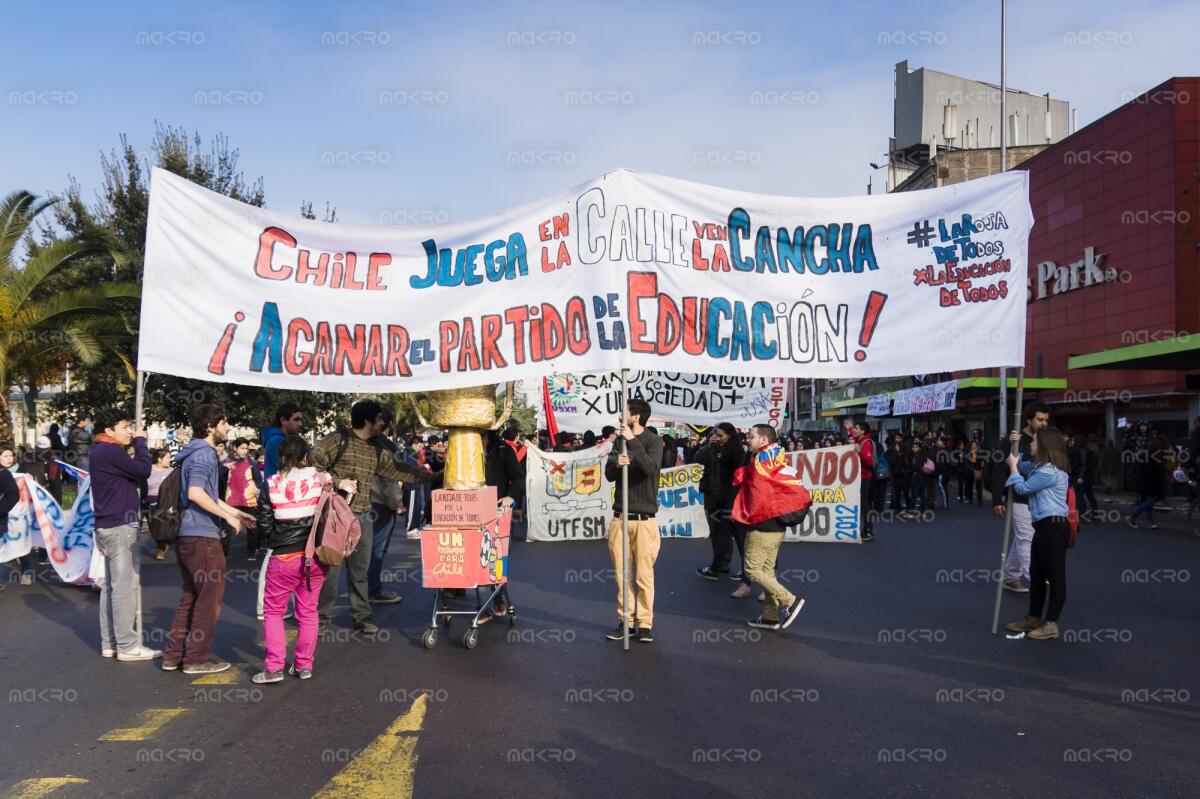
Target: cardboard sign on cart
x,y
466,557
465,508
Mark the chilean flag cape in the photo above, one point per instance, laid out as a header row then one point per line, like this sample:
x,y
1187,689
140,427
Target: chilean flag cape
x,y
768,488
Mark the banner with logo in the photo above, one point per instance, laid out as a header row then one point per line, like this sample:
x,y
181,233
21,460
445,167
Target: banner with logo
x,y
833,476
590,401
626,271
570,499
933,398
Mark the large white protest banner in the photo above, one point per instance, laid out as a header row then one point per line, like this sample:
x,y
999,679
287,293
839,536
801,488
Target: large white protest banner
x,y
584,402
569,498
629,270
833,475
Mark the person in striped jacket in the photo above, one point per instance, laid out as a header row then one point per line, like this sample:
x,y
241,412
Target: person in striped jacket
x,y
285,517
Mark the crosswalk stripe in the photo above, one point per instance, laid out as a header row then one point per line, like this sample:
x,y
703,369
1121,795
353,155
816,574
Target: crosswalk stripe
x,y
42,786
386,766
149,724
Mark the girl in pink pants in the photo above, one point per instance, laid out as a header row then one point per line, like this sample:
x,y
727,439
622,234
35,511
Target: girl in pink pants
x,y
285,518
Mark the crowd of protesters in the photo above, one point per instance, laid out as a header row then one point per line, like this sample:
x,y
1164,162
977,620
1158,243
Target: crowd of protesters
x,y
264,491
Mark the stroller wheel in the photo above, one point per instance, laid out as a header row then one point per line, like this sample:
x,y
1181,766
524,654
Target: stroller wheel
x,y
429,638
471,638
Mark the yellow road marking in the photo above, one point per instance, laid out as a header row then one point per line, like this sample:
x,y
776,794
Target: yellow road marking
x,y
42,786
149,723
385,767
231,676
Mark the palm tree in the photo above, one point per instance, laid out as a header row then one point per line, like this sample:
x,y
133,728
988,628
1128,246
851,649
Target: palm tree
x,y
41,331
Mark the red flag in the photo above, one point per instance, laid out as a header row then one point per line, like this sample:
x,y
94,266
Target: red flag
x,y
769,488
551,422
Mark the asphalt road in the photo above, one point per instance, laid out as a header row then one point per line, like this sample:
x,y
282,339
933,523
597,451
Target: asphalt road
x,y
889,684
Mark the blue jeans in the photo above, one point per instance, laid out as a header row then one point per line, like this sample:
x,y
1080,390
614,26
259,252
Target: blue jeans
x,y
381,535
1146,505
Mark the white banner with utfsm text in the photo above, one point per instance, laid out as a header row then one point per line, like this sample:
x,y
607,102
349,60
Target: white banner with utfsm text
x,y
626,271
570,498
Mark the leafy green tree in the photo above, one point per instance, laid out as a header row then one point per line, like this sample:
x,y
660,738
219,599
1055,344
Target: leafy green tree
x,y
120,213
46,323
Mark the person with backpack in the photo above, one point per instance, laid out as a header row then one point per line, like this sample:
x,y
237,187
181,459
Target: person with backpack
x,y
356,456
387,505
1044,479
117,506
160,467
286,513
198,544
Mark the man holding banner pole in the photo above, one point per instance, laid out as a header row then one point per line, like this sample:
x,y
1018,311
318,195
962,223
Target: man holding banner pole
x,y
115,477
633,538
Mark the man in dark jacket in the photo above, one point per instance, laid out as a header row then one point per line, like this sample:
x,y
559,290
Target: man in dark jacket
x,y
115,479
1016,567
644,461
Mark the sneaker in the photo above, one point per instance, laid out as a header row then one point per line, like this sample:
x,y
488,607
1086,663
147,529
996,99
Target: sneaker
x,y
1129,521
1152,526
208,667
763,624
302,674
108,651
160,554
139,653
170,665
741,592
385,598
762,596
26,579
413,535
708,574
367,628
645,635
1046,632
1016,586
792,612
737,577
868,537
264,677
618,633
1024,625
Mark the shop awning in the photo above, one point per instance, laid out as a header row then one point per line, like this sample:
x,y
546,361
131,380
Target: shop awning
x,y
1181,352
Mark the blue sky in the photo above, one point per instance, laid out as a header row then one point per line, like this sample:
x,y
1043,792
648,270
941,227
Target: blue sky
x,y
425,112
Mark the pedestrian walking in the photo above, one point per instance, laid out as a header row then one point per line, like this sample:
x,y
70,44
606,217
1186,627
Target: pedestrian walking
x,y
770,499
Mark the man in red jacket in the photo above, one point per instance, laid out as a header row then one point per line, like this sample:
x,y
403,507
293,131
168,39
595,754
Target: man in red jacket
x,y
860,434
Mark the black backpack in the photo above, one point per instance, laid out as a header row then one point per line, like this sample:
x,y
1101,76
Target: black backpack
x,y
168,513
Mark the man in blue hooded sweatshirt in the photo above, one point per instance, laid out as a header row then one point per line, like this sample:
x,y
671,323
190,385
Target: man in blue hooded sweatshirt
x,y
289,421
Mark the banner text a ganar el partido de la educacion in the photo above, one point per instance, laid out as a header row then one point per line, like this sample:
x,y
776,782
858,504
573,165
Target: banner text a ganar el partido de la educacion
x,y
629,270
